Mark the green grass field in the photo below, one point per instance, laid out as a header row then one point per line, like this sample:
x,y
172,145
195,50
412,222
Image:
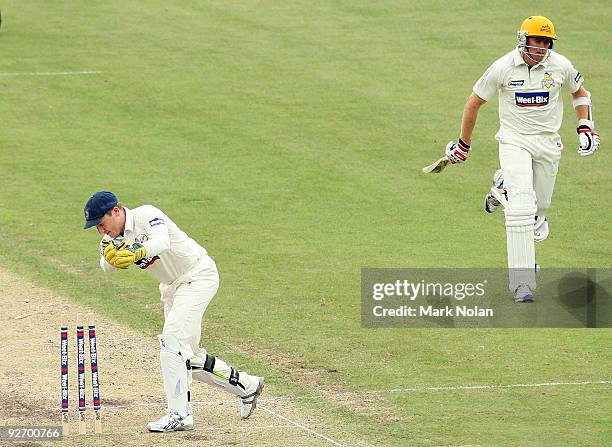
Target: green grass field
x,y
287,138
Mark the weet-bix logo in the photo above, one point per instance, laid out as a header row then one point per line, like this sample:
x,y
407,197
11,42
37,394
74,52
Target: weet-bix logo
x,y
516,83
535,99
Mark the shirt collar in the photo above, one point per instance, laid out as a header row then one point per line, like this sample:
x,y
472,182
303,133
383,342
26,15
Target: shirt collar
x,y
129,221
518,58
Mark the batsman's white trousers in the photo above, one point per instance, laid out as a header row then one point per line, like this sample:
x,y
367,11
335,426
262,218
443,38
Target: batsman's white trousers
x,y
530,164
185,302
531,161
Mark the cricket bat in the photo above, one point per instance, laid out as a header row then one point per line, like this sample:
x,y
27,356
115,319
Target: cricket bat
x,y
436,167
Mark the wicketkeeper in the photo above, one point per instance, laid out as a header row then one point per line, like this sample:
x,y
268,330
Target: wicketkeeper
x,y
188,280
528,82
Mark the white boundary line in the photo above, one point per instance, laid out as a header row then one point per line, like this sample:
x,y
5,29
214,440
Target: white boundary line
x,y
303,427
489,387
52,73
454,388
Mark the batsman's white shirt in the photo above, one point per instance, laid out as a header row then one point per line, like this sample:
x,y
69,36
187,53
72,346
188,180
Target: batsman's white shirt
x,y
529,99
171,254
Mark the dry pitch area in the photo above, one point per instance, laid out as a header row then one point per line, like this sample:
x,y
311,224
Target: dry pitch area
x,y
130,384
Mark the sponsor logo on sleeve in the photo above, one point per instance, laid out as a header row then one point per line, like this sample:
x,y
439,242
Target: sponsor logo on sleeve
x,y
156,221
531,99
578,77
516,83
146,262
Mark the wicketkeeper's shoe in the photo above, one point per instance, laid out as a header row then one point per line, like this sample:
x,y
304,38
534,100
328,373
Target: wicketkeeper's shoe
x,y
172,421
497,195
523,294
249,402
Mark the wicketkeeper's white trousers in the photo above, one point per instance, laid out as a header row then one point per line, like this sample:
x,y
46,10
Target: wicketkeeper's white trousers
x,y
185,304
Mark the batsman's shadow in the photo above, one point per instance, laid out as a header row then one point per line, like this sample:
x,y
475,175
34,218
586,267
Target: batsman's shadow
x,y
587,298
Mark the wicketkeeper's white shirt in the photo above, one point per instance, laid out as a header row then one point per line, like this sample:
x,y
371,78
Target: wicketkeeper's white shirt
x,y
529,99
170,252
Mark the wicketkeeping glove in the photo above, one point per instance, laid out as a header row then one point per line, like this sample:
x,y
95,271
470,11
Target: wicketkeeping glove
x,y
106,240
108,251
457,152
109,247
588,138
127,255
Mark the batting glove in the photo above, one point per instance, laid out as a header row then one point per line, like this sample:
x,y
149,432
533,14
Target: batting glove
x,y
457,152
126,256
588,138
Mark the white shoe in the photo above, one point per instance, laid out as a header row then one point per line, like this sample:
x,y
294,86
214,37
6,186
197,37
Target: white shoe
x,y
497,195
523,294
491,203
248,403
172,421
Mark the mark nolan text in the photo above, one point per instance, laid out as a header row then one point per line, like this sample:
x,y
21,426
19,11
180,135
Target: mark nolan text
x,y
431,311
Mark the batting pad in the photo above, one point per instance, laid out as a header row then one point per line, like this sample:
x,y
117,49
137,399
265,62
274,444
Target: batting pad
x,y
216,372
174,372
521,208
520,218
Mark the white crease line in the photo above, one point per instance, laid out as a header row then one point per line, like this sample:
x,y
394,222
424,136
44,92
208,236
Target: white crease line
x,y
303,427
217,402
293,423
207,429
52,73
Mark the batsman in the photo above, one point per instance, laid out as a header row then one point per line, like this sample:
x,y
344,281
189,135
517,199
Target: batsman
x,y
528,83
147,238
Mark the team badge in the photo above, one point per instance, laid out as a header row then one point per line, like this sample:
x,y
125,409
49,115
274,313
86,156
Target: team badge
x,y
548,81
141,238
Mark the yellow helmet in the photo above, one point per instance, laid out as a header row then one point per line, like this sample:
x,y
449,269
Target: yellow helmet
x,y
535,26
538,26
